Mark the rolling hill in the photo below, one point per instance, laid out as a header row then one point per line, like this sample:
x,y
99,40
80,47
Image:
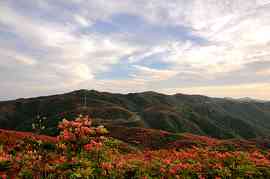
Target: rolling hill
x,y
201,115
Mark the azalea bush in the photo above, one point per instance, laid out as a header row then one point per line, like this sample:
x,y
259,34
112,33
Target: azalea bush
x,y
85,151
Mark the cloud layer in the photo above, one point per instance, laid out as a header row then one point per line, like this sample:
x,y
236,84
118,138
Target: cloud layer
x,y
212,47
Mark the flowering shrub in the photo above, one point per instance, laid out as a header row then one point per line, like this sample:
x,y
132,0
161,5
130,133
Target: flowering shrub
x,y
79,130
84,151
93,146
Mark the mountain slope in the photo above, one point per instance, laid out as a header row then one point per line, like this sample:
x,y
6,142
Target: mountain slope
x,y
216,117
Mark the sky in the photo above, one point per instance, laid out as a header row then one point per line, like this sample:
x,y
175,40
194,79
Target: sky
x,y
217,48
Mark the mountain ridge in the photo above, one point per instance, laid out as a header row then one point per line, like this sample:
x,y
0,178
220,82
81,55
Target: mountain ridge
x,y
198,114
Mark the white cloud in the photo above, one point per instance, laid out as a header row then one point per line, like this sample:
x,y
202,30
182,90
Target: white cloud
x,y
150,74
25,60
236,32
147,53
120,86
256,90
14,58
264,72
78,56
82,21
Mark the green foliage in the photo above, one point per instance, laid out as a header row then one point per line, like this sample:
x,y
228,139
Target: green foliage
x,y
201,115
38,125
118,145
67,166
5,165
112,143
47,146
172,137
223,148
26,174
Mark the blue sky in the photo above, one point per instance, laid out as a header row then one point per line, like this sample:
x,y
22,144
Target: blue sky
x,y
216,48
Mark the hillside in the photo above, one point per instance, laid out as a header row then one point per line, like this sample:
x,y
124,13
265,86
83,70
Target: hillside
x,y
215,117
85,151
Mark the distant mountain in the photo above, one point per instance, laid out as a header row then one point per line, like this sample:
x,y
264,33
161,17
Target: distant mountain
x,y
247,100
202,115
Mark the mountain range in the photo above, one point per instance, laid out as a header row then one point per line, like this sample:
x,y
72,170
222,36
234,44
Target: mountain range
x,y
201,115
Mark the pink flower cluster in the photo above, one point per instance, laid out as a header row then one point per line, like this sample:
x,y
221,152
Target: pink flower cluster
x,y
106,166
79,129
93,145
178,167
4,176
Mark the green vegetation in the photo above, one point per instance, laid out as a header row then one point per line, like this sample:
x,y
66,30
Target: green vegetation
x,y
84,151
221,118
